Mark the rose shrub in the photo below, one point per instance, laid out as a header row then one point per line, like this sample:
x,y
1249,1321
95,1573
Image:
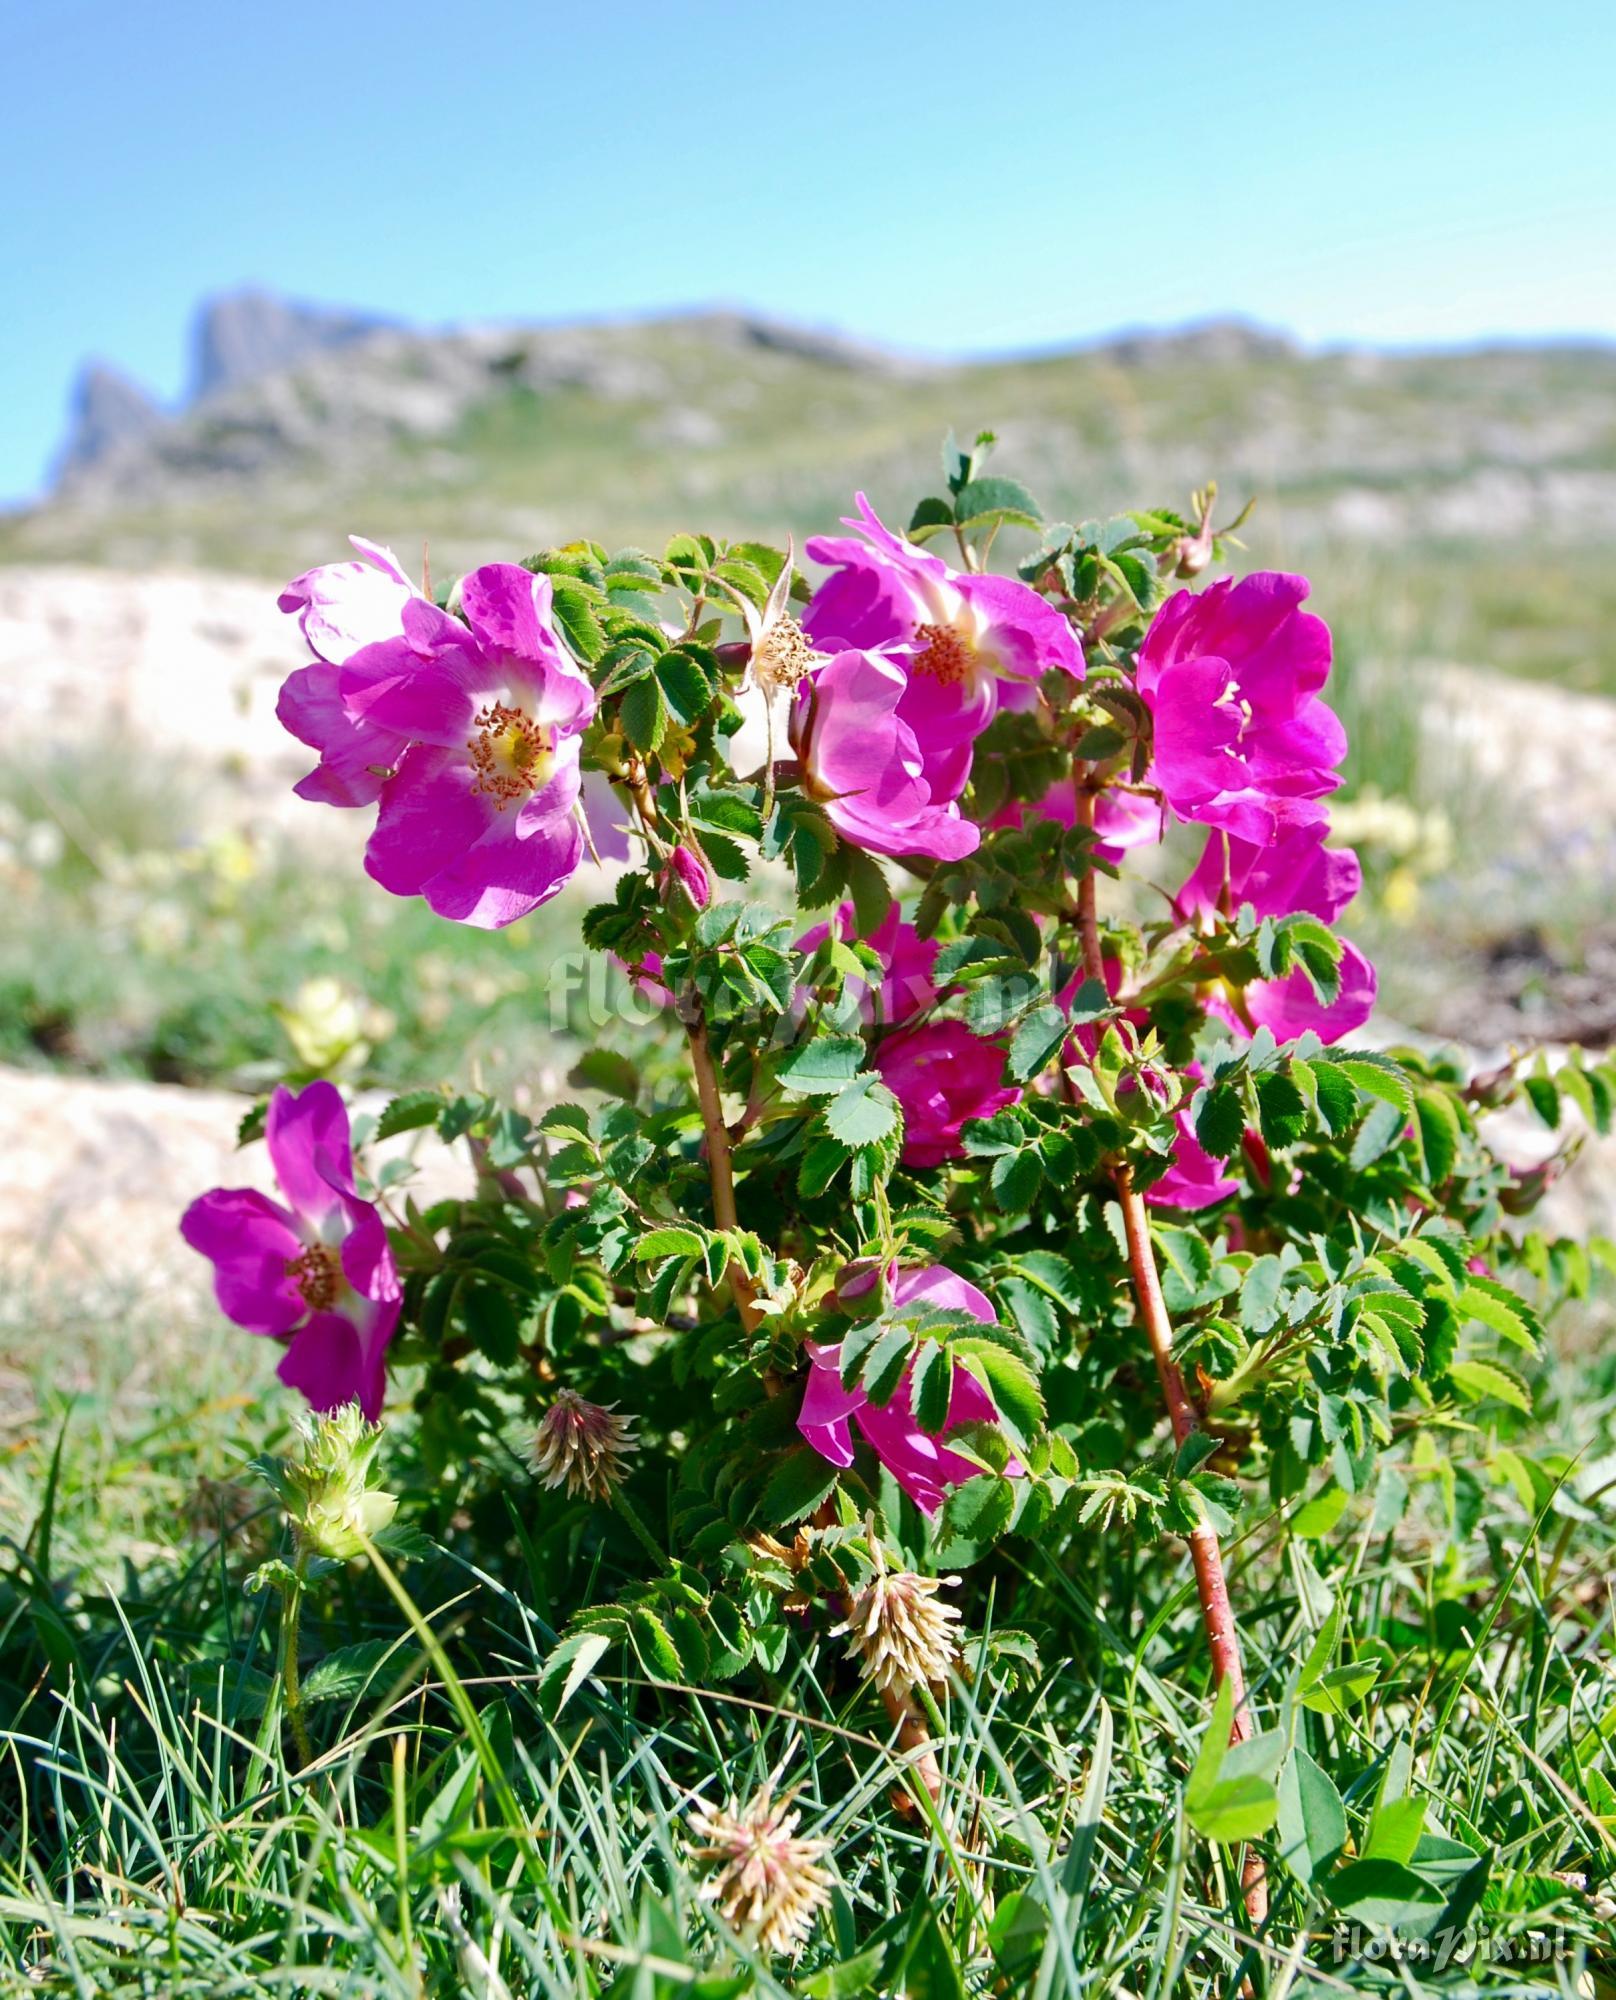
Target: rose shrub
x,y
998,1163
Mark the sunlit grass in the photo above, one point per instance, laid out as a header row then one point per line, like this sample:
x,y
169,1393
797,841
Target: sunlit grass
x,y
157,1837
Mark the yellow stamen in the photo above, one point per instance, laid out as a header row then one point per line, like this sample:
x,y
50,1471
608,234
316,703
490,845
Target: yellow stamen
x,y
511,754
317,1274
943,654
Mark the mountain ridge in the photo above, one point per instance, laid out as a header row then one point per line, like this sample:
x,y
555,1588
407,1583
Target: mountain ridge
x,y
1464,502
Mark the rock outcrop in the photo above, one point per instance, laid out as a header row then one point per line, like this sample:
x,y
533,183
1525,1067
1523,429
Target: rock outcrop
x,y
245,335
109,409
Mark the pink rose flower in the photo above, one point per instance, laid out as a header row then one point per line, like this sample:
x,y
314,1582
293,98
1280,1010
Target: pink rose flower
x,y
479,819
942,1075
924,1467
342,608
317,1272
969,645
1295,871
1231,676
683,872
861,760
906,958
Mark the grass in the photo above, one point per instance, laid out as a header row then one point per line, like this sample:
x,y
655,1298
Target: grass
x,y
157,1836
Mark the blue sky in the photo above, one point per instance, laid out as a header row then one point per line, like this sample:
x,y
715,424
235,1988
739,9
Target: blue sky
x,y
959,178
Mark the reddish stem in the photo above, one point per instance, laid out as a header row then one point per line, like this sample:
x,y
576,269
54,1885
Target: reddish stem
x,y
914,1735
1211,1583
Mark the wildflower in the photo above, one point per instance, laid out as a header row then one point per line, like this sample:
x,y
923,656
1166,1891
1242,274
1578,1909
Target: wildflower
x,y
768,1883
1231,676
683,874
922,1466
583,1446
318,1272
906,957
1293,872
343,606
969,645
327,1489
862,760
342,609
901,1633
942,1075
479,818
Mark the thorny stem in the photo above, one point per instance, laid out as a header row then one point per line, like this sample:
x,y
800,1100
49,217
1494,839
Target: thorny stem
x,y
720,1166
291,1686
1211,1584
914,1735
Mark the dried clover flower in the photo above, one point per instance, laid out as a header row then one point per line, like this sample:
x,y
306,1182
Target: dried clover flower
x,y
582,1445
768,1883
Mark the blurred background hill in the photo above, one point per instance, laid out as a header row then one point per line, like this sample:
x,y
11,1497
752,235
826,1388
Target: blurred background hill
x,y
1479,483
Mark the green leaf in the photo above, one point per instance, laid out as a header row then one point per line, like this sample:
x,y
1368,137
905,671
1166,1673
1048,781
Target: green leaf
x,y
931,1969
350,1670
850,1979
1016,1179
821,1067
1260,1294
644,711
801,1482
1281,1109
982,500
686,689
729,812
883,1369
1220,1123
1341,1688
575,614
975,1514
1010,1382
570,1664
1038,1038
1337,1099
929,516
864,1114
410,1112
932,1386
1394,1831
654,1644
1383,1892
607,1070
1477,1380
1315,1518
1439,1131
1544,1099
820,1165
1504,1311
1377,1076
872,896
1228,1809
1312,1819
673,1241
